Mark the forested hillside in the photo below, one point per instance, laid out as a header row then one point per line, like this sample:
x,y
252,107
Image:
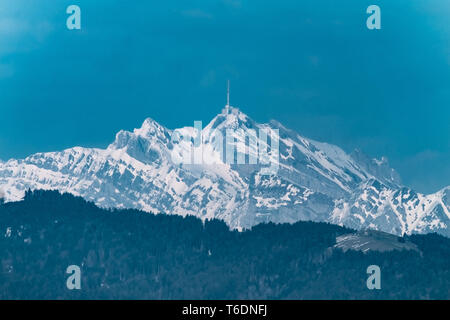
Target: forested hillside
x,y
135,255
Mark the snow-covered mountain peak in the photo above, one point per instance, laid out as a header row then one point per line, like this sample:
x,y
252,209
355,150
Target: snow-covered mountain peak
x,y
377,168
230,118
151,128
150,143
315,181
233,111
382,161
278,125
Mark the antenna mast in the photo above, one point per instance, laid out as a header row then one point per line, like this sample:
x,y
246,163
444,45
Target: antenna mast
x,y
228,93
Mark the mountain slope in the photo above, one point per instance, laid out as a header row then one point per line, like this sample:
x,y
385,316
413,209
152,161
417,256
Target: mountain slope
x,y
314,180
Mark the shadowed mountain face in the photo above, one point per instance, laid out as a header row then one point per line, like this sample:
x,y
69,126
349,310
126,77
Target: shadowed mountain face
x,y
130,254
315,181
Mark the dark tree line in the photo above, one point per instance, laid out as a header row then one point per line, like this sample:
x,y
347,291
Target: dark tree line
x,y
128,254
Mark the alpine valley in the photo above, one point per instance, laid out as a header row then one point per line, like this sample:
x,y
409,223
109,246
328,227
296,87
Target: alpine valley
x,y
315,181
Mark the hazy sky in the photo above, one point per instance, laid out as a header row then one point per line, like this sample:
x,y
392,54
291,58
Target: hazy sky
x,y
312,65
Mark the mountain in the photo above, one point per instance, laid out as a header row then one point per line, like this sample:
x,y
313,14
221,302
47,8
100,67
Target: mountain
x,y
313,181
399,210
130,254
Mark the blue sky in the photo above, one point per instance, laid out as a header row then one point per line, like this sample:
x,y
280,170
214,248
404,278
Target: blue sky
x,y
312,65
